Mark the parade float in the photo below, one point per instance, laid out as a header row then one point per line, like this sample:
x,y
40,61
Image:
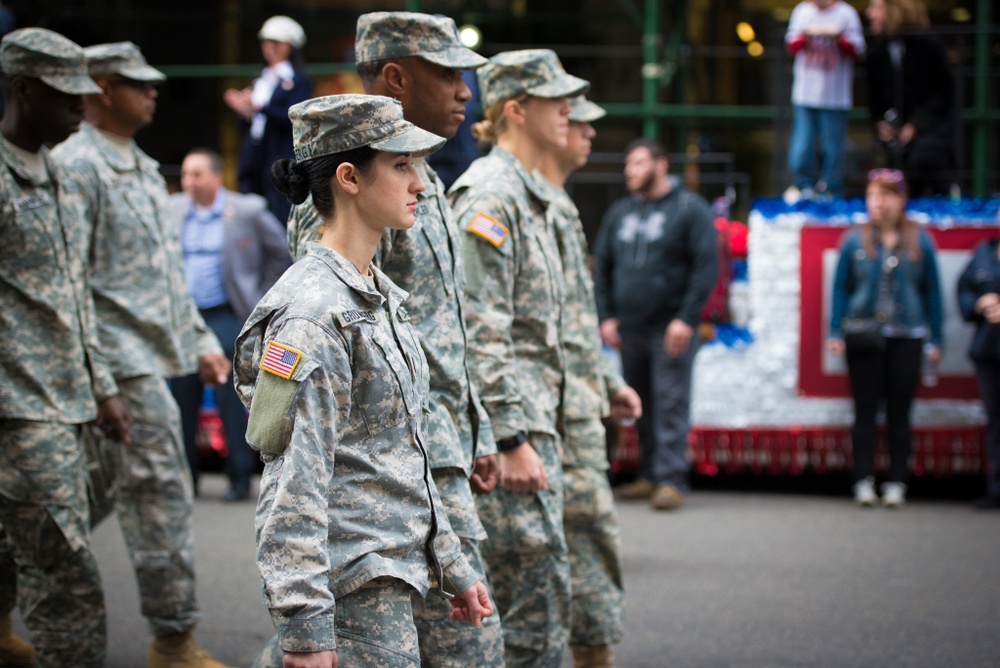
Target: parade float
x,y
769,398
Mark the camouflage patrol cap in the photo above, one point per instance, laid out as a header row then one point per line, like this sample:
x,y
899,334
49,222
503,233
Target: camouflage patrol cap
x,y
338,123
48,56
122,58
582,110
384,35
536,72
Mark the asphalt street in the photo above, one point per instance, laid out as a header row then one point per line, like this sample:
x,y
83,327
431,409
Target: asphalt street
x,y
736,578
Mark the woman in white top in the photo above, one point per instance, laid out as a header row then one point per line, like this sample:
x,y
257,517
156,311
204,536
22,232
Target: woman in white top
x,y
263,107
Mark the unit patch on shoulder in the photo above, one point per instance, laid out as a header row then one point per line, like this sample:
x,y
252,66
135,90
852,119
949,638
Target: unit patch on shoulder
x,y
489,229
281,360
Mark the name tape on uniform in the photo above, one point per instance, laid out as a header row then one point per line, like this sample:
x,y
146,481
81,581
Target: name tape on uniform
x,y
489,229
281,360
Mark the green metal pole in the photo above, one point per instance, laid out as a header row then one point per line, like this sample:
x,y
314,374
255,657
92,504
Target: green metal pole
x,y
981,130
650,76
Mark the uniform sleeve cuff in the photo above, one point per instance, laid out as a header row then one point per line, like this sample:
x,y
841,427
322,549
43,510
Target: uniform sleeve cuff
x,y
315,634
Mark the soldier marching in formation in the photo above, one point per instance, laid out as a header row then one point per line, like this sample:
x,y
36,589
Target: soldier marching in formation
x,y
425,385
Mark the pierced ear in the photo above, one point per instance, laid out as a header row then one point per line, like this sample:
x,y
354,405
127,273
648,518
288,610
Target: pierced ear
x,y
348,178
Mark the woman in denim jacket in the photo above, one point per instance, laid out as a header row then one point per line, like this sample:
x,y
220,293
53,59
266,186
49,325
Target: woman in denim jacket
x,y
887,274
979,301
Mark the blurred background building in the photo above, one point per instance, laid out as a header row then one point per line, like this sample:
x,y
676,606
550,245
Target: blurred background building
x,y
709,77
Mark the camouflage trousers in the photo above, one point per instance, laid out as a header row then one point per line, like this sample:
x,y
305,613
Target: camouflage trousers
x,y
153,496
595,558
526,561
444,643
374,629
45,519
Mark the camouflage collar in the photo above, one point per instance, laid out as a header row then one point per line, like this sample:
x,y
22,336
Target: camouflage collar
x,y
16,165
349,274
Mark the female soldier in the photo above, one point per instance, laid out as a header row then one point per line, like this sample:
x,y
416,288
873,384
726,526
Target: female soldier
x,y
886,310
336,384
514,287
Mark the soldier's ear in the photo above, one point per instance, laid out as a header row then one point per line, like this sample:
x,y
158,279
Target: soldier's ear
x,y
104,97
395,79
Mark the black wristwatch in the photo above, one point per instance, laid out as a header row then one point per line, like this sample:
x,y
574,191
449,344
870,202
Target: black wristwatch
x,y
511,442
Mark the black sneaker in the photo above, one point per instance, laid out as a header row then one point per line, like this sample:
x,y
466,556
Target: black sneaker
x,y
236,495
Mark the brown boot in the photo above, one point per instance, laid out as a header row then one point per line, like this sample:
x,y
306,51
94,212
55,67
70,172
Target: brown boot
x,y
666,497
596,656
180,650
640,490
13,650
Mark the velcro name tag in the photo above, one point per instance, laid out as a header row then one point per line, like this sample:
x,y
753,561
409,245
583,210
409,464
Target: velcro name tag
x,y
488,228
32,201
281,360
351,316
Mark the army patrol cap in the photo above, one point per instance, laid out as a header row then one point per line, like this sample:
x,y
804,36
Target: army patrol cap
x,y
338,123
582,110
536,72
48,56
385,35
122,58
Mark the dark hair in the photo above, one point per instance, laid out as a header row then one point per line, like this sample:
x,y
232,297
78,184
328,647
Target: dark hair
x,y
372,70
214,159
297,180
654,147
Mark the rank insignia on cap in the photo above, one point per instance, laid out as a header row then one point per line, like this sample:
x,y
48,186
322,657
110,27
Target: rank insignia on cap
x,y
489,229
280,360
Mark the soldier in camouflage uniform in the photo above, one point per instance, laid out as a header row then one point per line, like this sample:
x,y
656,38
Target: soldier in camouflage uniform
x,y
152,330
415,58
349,520
592,390
514,289
53,374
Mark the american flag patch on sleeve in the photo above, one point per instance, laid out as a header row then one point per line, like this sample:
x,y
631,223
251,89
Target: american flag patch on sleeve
x,y
280,360
489,229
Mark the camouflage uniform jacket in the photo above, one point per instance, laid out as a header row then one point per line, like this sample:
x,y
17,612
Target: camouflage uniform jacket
x,y
589,377
514,285
304,225
145,313
427,261
51,366
347,494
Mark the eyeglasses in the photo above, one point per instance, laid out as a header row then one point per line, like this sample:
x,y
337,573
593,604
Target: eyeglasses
x,y
144,86
890,175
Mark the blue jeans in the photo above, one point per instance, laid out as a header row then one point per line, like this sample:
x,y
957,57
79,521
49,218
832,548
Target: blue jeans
x,y
188,391
664,385
830,127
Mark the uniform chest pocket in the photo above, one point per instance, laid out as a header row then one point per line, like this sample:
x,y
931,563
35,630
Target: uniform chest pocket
x,y
130,227
380,387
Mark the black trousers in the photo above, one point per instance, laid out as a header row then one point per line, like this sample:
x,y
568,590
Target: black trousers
x,y
889,376
988,374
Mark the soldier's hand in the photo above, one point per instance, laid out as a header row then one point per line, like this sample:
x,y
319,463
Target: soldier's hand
x,y
626,404
472,605
485,474
214,369
114,421
522,470
327,659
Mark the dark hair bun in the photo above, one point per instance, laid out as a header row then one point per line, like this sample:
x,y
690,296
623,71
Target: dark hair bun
x,y
288,177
